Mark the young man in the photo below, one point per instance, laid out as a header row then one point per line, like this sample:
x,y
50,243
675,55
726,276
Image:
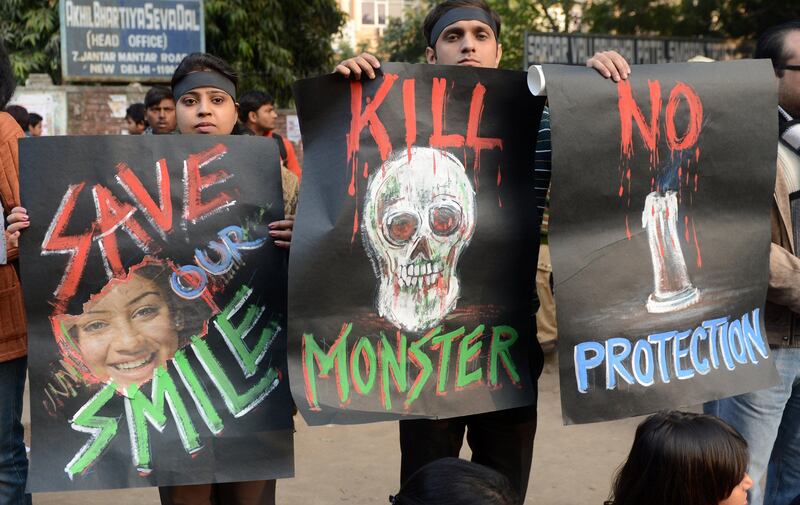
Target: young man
x,y
769,419
160,111
257,112
134,119
35,124
466,32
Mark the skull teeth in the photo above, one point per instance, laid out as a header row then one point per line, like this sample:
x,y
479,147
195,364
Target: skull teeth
x,y
416,275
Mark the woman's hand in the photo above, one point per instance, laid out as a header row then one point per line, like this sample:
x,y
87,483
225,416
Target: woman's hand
x,y
281,231
17,221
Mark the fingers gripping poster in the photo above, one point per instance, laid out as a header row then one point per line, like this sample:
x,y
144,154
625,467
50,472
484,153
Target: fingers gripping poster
x,y
413,261
157,311
660,234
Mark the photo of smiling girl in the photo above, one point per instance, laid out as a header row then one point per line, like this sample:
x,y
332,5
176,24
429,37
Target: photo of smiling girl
x,y
133,326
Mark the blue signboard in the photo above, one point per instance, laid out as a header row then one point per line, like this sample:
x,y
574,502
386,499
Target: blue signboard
x,y
128,40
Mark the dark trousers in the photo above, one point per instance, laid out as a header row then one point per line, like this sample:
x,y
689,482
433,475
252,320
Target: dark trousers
x,y
501,440
254,492
13,460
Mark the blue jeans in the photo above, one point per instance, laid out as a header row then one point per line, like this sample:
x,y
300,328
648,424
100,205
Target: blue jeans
x,y
770,422
13,461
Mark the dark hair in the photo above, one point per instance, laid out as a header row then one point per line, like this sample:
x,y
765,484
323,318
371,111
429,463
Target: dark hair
x,y
197,62
251,102
441,9
681,457
453,481
771,45
20,115
135,113
156,94
7,81
34,119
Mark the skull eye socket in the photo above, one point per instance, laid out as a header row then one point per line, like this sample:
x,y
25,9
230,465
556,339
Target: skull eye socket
x,y
400,227
445,218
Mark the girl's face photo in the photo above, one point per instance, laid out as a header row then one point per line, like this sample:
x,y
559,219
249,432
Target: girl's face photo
x,y
127,332
206,110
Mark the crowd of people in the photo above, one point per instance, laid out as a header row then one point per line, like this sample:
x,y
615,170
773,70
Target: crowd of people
x,y
717,458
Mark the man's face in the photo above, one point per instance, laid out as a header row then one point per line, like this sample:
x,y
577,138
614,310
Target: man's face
x,y
468,43
162,116
264,118
789,84
36,131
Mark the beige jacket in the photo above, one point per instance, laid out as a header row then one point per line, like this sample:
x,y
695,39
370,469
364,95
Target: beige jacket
x,y
783,296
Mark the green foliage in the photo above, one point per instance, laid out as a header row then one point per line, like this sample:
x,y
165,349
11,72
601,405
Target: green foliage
x,y
29,30
519,16
403,40
271,43
690,18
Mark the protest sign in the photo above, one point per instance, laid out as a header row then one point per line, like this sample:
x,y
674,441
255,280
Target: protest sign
x,y
156,309
413,258
660,234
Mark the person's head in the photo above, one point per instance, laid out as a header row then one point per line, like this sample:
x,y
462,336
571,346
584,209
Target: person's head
x,y
463,32
686,458
160,110
135,120
257,111
35,124
7,81
453,481
781,44
204,87
20,115
134,325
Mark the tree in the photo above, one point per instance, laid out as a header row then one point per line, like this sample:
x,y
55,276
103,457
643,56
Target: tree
x,y
403,39
271,43
717,18
29,30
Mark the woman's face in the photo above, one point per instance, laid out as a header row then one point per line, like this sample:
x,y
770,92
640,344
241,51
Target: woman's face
x,y
206,110
128,332
739,494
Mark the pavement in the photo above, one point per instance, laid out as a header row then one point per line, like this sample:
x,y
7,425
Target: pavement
x,y
573,465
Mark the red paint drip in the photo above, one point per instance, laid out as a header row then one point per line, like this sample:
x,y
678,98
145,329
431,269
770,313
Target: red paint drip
x,y
695,182
351,189
697,247
366,172
686,228
627,228
409,110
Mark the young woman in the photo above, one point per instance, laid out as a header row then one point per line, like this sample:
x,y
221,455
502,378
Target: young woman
x,y
204,88
680,457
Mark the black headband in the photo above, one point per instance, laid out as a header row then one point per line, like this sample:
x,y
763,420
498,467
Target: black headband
x,y
460,14
201,79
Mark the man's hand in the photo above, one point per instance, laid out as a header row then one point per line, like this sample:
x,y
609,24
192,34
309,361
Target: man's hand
x,y
610,64
355,67
281,231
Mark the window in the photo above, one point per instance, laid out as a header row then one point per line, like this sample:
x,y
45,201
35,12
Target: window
x,y
367,13
374,13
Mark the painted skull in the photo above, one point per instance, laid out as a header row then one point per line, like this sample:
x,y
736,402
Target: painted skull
x,y
419,216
